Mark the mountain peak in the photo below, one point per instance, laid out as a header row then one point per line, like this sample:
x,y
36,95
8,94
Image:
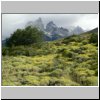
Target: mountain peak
x,y
50,26
37,23
78,30
39,19
78,27
52,23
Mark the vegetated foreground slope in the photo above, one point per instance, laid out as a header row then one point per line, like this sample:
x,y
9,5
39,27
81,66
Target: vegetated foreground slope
x,y
71,61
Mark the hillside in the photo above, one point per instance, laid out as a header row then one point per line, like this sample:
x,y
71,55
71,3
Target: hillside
x,y
93,31
71,61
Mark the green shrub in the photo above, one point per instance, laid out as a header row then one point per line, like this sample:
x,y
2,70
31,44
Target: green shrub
x,y
67,53
85,42
44,81
81,75
5,51
57,73
25,36
32,80
94,38
92,81
96,72
53,81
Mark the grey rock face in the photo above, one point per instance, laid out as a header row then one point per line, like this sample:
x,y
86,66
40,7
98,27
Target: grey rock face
x,y
53,29
38,24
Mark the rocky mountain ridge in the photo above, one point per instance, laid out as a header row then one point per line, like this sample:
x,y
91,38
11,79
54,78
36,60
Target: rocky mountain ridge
x,y
52,31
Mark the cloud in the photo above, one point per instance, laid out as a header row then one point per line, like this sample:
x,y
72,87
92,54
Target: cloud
x,y
11,22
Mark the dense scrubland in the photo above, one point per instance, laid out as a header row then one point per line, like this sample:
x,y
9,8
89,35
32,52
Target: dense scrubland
x,y
71,61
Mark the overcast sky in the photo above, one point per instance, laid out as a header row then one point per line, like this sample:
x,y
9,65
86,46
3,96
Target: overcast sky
x,y
11,22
